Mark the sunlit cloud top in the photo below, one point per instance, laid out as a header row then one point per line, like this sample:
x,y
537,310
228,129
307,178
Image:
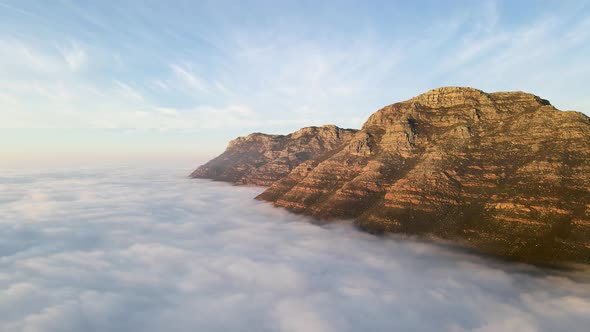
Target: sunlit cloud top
x,y
127,250
221,69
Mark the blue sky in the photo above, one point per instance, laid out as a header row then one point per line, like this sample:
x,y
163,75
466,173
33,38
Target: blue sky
x,y
81,79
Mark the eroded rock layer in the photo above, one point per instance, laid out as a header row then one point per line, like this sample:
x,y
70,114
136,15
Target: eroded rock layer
x,y
504,172
261,159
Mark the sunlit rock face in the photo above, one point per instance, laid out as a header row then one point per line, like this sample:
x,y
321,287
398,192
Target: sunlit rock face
x,y
504,172
261,159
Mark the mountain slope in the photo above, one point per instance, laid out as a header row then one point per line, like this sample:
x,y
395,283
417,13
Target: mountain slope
x,y
504,172
261,159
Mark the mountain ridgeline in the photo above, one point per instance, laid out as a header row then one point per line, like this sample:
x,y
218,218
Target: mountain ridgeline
x,y
262,159
505,173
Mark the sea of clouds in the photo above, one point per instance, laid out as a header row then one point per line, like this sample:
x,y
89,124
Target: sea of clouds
x,y
123,249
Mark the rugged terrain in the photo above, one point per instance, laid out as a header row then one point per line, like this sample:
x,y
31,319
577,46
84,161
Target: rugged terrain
x,y
506,173
261,159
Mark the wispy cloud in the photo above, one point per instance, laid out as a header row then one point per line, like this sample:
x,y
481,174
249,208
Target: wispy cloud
x,y
288,70
17,9
74,56
129,92
19,58
186,75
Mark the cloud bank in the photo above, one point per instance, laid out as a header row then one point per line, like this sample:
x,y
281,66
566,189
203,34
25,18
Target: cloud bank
x,y
126,250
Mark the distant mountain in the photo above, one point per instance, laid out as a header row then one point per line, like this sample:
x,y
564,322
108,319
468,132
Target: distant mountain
x,y
506,173
261,159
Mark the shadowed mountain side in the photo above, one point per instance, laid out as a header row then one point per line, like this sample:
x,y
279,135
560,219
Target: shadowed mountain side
x,y
261,159
504,172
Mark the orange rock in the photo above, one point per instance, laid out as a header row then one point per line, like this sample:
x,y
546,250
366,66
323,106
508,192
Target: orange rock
x,y
507,166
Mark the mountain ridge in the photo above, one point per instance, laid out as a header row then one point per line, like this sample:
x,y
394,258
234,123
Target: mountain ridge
x,y
504,172
261,159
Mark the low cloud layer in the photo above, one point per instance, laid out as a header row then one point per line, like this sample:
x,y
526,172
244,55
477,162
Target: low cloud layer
x,y
124,250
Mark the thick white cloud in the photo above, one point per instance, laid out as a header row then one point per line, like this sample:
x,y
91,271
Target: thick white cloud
x,y
127,250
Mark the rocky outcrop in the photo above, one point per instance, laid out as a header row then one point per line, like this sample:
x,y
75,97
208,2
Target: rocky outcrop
x,y
261,159
506,173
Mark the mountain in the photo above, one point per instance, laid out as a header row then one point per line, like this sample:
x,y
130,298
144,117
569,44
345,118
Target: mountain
x,y
261,159
505,173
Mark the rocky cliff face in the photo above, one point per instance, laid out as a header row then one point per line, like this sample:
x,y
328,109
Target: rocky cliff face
x,y
505,172
261,159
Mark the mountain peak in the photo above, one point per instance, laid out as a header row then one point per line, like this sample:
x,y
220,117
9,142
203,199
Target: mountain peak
x,y
261,159
451,97
503,172
458,104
